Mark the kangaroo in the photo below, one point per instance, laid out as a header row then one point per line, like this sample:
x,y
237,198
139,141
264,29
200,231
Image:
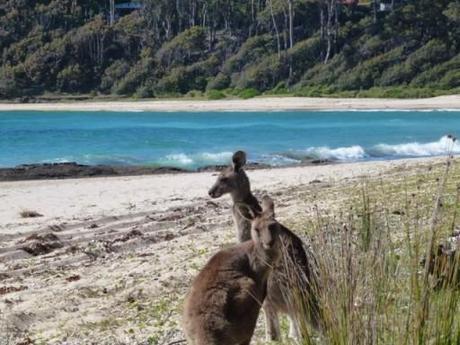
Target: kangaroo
x,y
234,181
224,301
291,287
444,264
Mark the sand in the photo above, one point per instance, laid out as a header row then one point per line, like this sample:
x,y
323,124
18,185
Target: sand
x,y
255,104
111,259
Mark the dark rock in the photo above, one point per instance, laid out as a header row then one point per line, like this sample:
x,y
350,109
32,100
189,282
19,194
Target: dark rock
x,y
74,170
130,235
30,214
73,278
8,289
39,244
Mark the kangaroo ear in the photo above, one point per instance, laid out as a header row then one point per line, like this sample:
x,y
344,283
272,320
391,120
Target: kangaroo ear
x,y
268,206
246,212
238,160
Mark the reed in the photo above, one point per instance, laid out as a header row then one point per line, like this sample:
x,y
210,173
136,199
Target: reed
x,y
375,285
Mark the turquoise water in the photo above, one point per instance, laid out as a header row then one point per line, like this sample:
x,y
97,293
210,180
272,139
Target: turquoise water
x,y
192,140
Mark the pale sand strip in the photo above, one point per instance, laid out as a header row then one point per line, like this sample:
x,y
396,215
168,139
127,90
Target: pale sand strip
x,y
76,199
255,104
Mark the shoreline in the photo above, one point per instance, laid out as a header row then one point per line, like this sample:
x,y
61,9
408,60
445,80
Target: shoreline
x,y
76,171
73,170
448,103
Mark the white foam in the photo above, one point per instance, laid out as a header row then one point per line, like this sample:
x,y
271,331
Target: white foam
x,y
279,160
180,158
442,147
198,159
215,157
355,152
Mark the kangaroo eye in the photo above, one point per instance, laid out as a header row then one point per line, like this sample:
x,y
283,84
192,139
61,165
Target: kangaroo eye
x,y
224,179
272,227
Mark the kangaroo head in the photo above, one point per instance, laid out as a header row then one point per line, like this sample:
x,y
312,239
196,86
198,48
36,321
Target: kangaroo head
x,y
232,180
264,227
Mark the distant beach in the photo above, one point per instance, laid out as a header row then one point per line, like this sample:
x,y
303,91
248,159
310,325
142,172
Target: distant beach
x,y
254,104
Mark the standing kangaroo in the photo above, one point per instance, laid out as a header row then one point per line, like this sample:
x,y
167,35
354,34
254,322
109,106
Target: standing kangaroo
x,y
234,181
292,286
223,304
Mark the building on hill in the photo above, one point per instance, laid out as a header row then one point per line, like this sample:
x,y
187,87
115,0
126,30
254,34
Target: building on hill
x,y
121,8
127,6
349,2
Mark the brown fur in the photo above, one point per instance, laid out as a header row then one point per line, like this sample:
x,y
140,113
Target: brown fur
x,y
293,276
234,181
223,304
444,265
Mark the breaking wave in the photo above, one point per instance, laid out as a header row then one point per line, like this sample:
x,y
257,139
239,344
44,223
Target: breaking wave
x,y
443,146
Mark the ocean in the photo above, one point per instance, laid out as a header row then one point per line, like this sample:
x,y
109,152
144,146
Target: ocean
x,y
192,140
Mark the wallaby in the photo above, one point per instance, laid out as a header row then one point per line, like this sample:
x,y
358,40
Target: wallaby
x,y
444,264
223,304
234,181
293,284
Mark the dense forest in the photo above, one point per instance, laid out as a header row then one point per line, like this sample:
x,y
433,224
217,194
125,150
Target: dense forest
x,y
219,48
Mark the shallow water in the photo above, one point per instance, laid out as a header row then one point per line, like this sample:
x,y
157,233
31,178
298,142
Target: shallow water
x,y
192,140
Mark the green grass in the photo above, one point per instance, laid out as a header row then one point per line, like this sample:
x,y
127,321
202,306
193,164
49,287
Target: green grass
x,y
373,288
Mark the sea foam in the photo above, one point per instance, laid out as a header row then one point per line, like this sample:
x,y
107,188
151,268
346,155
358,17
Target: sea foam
x,y
437,148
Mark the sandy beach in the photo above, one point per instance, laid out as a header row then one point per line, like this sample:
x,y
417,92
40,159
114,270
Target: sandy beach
x,y
110,259
254,104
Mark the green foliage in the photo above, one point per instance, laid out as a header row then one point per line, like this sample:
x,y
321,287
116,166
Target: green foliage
x,y
252,50
173,47
364,75
247,93
183,79
113,74
261,76
71,79
186,48
215,94
422,59
219,82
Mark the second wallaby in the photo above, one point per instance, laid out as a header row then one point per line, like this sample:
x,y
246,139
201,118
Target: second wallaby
x,y
223,304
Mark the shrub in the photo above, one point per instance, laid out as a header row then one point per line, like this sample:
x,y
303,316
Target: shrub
x,y
219,82
114,73
144,92
184,49
303,56
451,80
365,74
183,79
261,76
250,52
215,94
248,93
71,79
135,78
313,91
421,60
194,93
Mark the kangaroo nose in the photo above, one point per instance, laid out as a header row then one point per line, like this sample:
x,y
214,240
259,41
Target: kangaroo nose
x,y
211,193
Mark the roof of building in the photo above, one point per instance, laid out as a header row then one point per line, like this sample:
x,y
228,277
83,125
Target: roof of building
x,y
128,6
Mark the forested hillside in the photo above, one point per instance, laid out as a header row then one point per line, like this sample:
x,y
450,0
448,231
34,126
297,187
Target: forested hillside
x,y
158,48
